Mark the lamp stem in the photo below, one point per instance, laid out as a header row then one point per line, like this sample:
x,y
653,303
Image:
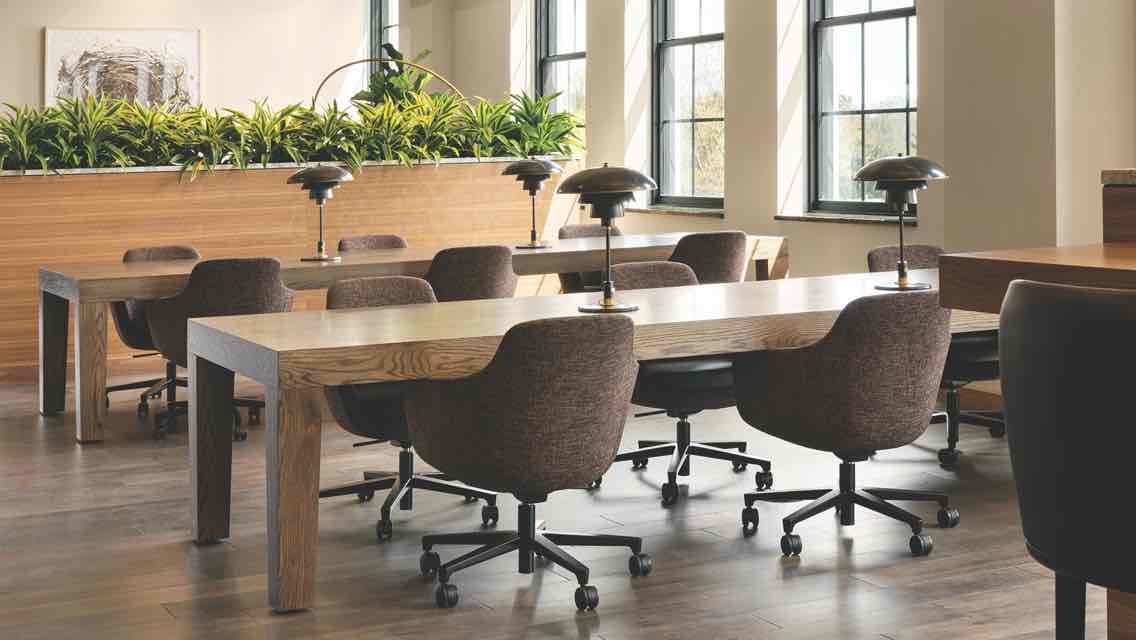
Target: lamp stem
x,y
321,250
901,266
532,232
608,287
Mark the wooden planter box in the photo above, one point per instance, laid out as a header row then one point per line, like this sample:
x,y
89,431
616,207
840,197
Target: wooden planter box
x,y
94,216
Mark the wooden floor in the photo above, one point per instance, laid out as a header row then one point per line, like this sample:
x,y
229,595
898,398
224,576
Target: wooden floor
x,y
94,544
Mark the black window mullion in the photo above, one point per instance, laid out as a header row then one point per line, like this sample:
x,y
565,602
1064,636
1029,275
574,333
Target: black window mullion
x,y
863,100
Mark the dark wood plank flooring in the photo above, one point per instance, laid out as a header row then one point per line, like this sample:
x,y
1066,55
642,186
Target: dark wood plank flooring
x,y
94,544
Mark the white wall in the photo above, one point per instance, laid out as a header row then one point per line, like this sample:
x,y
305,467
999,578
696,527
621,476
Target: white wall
x,y
274,49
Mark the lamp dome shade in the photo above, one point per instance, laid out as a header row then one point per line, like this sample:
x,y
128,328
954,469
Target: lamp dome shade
x,y
901,169
606,179
322,176
531,167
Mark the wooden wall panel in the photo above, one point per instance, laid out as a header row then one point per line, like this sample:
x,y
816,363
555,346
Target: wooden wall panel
x,y
77,219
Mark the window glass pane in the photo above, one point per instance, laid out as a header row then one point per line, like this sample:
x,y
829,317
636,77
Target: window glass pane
x,y
677,83
683,18
390,36
566,77
913,56
839,157
913,150
709,99
833,8
885,64
713,16
885,134
884,5
566,26
709,159
390,12
675,160
839,62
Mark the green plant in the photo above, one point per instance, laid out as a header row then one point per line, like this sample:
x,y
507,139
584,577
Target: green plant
x,y
393,80
331,136
540,131
486,128
85,133
384,132
210,138
434,118
150,136
267,135
23,134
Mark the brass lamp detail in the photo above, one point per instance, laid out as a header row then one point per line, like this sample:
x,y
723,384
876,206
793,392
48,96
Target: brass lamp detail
x,y
319,183
900,177
532,173
607,189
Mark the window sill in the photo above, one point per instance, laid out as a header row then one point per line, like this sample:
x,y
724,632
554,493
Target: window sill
x,y
671,210
846,218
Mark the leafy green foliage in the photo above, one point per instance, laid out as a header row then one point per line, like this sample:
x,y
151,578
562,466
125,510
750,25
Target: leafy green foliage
x,y
395,119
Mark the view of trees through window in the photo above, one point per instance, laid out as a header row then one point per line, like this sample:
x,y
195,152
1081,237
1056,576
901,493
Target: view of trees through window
x,y
561,59
865,94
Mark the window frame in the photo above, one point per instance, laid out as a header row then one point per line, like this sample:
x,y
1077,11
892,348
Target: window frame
x,y
379,29
660,43
817,22
542,57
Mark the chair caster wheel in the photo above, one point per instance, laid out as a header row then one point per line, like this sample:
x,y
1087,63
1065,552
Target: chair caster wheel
x,y
740,466
446,596
670,493
998,432
750,519
384,530
489,515
143,409
763,480
639,463
791,545
921,544
948,517
948,458
587,597
254,415
429,563
640,565
595,484
365,496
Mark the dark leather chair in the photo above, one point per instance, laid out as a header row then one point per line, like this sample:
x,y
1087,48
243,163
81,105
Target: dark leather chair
x,y
584,280
228,287
130,323
682,387
371,243
867,386
972,357
545,415
1066,355
376,412
472,273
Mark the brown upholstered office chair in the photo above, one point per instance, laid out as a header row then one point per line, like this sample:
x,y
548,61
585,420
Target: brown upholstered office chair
x,y
584,280
972,357
1066,353
371,242
131,326
545,415
375,411
228,287
868,385
682,387
472,273
715,256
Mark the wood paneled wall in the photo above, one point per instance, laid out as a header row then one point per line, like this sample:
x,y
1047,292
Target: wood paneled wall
x,y
61,220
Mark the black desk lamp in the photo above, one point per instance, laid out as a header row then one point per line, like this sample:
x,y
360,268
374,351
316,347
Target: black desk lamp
x,y
532,173
320,181
606,189
900,177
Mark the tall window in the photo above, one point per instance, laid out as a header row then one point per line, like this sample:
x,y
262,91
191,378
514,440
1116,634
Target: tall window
x,y
561,28
862,96
384,25
690,102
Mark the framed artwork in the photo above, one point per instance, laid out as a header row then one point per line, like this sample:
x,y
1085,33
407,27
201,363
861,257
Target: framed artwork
x,y
151,66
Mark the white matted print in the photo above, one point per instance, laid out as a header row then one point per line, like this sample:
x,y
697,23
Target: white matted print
x,y
151,66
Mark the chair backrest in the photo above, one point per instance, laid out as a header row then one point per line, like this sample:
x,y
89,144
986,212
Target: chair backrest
x,y
546,414
472,273
226,287
716,256
1066,355
575,282
371,242
654,274
570,231
869,385
379,291
919,256
130,315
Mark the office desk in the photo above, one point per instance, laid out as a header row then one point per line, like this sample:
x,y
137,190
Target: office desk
x,y
294,355
91,287
978,282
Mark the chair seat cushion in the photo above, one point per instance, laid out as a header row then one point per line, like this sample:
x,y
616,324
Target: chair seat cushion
x,y
372,411
685,385
971,357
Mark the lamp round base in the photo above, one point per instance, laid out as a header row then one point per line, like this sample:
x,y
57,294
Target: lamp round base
x,y
534,245
618,307
322,259
910,286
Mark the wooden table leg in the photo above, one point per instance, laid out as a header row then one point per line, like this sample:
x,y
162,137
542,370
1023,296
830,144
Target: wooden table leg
x,y
1121,615
90,370
53,321
210,448
293,453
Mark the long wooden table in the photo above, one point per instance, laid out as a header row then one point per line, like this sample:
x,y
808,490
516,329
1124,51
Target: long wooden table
x,y
294,355
978,282
91,287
